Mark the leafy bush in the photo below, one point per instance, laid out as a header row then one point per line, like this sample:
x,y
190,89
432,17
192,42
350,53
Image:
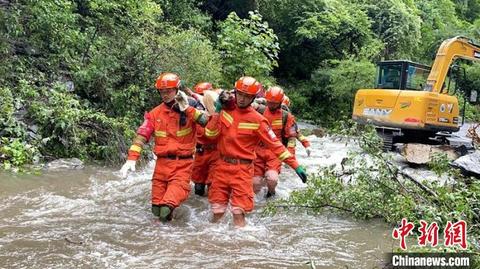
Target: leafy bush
x,y
15,153
248,47
330,93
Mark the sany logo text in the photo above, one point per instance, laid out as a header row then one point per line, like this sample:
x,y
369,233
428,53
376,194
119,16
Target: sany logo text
x,y
376,111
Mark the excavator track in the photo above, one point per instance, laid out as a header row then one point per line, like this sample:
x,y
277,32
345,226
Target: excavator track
x,y
387,138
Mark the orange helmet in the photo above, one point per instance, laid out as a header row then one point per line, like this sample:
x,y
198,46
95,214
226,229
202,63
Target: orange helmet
x,y
167,81
274,94
203,86
286,100
248,85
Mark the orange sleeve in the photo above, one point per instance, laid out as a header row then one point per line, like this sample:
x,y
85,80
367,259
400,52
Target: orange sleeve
x,y
212,130
144,132
268,137
136,148
303,140
290,126
197,115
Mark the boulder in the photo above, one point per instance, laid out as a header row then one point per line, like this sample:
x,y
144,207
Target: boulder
x,y
65,164
469,163
319,132
422,153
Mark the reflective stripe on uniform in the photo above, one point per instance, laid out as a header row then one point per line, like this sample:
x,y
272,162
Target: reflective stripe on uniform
x,y
211,133
286,154
136,148
184,132
277,123
301,138
291,143
228,117
160,133
248,125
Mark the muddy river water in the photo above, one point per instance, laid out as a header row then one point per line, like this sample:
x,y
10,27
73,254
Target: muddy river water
x,y
92,218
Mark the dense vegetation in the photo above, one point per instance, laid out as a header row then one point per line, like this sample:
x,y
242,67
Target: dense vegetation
x,y
76,76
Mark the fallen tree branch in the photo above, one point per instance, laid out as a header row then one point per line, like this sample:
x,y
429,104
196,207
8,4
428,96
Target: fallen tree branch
x,y
419,184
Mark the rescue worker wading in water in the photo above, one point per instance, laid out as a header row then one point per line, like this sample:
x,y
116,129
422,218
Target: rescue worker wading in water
x,y
239,128
291,142
267,165
173,124
206,154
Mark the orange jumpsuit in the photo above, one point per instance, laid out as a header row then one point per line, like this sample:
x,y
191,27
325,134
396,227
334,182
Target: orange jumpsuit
x,y
175,139
267,160
205,158
238,132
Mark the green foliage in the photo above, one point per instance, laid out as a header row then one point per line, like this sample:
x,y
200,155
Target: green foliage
x,y
186,14
396,24
311,32
77,75
54,123
15,153
332,89
439,22
440,163
191,55
259,48
468,10
467,84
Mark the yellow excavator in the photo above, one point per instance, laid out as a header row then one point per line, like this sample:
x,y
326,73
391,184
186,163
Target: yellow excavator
x,y
413,102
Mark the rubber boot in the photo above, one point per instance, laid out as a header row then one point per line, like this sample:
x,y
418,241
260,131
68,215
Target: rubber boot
x,y
156,210
165,213
199,189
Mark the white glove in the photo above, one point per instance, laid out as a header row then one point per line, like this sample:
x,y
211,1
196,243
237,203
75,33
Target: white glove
x,y
129,165
309,151
182,100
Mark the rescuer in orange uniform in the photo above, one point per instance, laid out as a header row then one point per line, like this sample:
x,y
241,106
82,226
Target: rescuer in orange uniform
x,y
206,154
295,132
239,128
267,165
173,124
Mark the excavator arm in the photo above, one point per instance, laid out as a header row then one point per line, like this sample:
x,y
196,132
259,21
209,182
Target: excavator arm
x,y
450,50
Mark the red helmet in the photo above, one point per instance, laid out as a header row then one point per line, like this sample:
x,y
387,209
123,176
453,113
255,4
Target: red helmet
x,y
248,85
274,94
286,100
167,81
203,86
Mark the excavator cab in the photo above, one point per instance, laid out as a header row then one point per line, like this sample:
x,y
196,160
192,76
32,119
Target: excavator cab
x,y
401,75
415,102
